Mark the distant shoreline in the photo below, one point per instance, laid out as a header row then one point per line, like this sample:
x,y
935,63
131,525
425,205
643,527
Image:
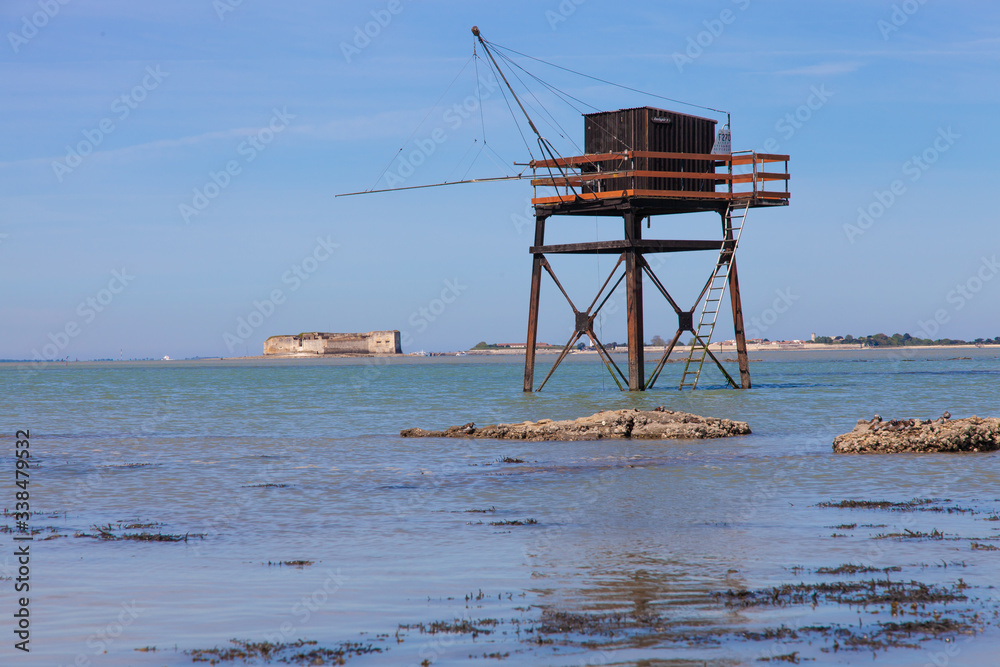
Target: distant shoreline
x,y
649,351
719,347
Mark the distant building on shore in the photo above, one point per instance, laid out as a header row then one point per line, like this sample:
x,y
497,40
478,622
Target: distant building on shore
x,y
522,346
376,343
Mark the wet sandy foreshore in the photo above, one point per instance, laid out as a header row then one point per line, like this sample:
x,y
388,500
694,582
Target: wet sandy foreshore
x,y
852,610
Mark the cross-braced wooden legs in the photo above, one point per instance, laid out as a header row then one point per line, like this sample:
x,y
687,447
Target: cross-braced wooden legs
x,y
584,323
685,322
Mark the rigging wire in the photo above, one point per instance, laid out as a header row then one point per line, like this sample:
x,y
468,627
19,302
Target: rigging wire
x,y
475,122
544,112
472,164
417,129
559,93
479,96
460,161
544,145
610,83
498,164
556,91
518,177
480,126
549,154
513,115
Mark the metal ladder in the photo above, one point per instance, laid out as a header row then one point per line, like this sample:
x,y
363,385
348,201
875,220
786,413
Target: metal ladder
x,y
735,217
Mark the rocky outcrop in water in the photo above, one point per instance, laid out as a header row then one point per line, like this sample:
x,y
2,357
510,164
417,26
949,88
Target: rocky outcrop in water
x,y
658,424
972,434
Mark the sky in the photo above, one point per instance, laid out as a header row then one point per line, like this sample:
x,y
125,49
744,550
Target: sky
x,y
168,171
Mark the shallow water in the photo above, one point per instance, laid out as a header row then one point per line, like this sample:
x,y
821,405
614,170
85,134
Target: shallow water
x,y
301,460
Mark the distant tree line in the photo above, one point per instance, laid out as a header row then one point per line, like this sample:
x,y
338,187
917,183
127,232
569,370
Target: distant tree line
x,y
900,340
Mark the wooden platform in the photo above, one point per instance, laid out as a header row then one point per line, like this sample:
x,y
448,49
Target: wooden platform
x,y
608,183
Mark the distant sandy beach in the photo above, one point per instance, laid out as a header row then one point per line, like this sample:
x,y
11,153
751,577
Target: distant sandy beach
x,y
651,352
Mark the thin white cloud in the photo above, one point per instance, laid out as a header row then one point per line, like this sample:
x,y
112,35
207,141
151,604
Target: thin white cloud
x,y
823,69
158,145
382,125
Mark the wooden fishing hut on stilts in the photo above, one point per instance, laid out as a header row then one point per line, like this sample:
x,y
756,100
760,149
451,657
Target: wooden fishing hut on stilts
x,y
641,163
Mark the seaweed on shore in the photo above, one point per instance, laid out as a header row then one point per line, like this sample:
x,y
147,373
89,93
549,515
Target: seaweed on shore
x,y
607,624
514,522
459,626
850,568
856,593
792,657
616,628
878,504
245,650
931,627
913,505
908,534
883,635
9,530
107,533
290,563
920,612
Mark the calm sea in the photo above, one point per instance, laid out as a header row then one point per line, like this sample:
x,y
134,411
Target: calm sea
x,y
261,463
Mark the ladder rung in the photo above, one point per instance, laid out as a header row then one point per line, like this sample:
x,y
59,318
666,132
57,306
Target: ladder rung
x,y
735,219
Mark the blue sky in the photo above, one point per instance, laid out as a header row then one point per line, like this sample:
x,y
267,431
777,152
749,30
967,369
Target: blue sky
x,y
168,170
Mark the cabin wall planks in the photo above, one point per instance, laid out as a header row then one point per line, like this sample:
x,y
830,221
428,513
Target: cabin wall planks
x,y
651,129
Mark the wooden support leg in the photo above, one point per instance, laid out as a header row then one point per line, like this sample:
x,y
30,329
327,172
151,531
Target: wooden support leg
x,y
741,338
633,298
536,286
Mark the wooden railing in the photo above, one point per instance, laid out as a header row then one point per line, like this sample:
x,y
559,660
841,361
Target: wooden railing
x,y
695,176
